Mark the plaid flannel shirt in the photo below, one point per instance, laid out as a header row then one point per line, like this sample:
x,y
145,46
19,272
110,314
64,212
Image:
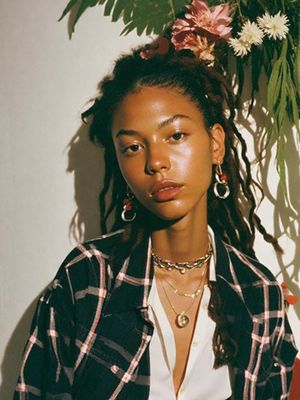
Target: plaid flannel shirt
x,y
91,331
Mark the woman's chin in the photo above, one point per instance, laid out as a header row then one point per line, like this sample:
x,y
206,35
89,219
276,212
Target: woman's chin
x,y
165,220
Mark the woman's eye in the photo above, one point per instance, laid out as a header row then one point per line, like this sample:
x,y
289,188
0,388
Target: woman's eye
x,y
132,149
177,136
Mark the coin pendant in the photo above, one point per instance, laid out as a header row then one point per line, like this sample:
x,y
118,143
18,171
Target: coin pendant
x,y
182,320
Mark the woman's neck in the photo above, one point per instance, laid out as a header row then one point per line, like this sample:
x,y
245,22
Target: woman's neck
x,y
184,240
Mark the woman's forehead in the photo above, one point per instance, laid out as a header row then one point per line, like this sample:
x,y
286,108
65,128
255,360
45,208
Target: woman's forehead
x,y
153,105
155,99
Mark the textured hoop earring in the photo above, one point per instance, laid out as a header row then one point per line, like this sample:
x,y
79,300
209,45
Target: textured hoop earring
x,y
128,214
221,188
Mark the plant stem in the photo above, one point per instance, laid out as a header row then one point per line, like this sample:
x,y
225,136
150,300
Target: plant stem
x,y
172,8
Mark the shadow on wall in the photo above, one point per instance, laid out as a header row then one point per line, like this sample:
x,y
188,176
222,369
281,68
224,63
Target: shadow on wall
x,y
12,357
85,161
286,215
87,164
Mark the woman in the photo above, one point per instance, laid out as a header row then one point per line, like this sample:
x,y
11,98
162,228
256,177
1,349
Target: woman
x,y
173,303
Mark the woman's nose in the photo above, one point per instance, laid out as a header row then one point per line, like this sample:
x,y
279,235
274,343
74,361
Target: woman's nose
x,y
157,160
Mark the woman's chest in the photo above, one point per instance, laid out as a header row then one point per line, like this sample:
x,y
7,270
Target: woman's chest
x,y
182,317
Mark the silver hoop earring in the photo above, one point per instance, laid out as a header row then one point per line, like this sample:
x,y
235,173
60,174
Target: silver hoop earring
x,y
221,188
128,214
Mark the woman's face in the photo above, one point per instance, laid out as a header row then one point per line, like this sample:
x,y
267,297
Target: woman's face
x,y
165,152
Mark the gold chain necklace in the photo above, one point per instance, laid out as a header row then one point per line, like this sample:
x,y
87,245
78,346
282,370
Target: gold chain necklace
x,y
191,295
182,318
182,267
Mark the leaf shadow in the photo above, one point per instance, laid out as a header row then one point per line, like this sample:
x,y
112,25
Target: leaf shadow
x,y
286,215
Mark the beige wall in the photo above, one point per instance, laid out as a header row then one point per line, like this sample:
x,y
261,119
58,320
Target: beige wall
x,y
48,167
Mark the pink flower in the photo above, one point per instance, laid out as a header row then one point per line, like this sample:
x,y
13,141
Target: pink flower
x,y
202,21
215,22
180,33
199,46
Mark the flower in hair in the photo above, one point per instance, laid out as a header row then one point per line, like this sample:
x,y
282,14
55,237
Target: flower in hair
x,y
215,22
201,28
200,46
275,27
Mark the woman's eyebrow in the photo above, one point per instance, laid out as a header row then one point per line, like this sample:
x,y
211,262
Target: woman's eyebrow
x,y
172,119
127,132
132,132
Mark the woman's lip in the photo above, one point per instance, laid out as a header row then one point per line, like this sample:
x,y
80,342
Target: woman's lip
x,y
165,190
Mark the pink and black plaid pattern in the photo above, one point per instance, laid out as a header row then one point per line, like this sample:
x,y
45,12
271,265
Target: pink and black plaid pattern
x,y
91,332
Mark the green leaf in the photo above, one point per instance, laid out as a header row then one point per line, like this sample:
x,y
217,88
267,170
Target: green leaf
x,y
273,85
297,72
118,10
292,96
148,16
79,7
108,7
84,4
282,109
70,5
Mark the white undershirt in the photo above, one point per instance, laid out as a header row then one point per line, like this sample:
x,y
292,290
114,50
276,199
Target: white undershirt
x,y
201,381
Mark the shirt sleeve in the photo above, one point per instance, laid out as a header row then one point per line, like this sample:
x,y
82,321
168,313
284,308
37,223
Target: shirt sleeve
x,y
47,364
284,354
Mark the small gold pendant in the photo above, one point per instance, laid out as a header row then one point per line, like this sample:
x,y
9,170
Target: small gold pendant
x,y
182,320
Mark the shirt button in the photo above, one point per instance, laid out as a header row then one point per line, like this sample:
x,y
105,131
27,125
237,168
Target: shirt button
x,y
275,364
114,369
195,343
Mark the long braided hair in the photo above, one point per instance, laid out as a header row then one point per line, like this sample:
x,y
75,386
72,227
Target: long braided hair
x,y
233,218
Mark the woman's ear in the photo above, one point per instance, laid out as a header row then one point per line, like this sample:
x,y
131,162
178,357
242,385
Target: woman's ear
x,y
218,143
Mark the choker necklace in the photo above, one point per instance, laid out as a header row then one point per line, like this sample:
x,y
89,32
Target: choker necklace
x,y
182,267
182,318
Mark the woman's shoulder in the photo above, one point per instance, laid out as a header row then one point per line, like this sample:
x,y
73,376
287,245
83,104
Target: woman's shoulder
x,y
87,263
247,268
100,248
254,283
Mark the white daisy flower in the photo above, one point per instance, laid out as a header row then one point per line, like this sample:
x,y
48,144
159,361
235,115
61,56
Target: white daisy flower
x,y
240,48
251,33
275,27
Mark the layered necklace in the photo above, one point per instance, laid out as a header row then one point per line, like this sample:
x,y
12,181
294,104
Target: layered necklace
x,y
182,267
181,318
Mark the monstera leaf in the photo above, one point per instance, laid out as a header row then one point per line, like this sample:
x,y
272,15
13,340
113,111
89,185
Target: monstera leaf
x,y
146,16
